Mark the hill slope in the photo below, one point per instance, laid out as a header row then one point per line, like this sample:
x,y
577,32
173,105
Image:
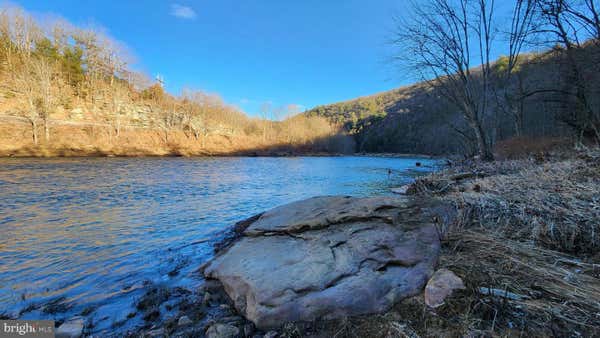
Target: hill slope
x,y
417,119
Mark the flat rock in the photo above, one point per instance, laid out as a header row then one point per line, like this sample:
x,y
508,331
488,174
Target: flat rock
x,y
440,286
327,258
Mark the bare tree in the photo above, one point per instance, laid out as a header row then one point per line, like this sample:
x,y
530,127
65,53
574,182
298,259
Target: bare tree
x,y
265,111
33,84
44,72
575,25
194,107
509,86
444,41
120,95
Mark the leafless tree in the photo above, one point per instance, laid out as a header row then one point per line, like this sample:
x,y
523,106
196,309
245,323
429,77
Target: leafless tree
x,y
194,108
575,26
33,84
445,41
265,110
120,96
509,87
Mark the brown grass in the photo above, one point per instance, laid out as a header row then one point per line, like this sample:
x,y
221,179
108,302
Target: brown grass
x,y
523,147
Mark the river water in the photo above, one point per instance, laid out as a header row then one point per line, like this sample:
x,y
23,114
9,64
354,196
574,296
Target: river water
x,y
86,235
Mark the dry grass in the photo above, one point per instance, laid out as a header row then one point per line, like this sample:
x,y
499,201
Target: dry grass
x,y
555,288
520,147
555,203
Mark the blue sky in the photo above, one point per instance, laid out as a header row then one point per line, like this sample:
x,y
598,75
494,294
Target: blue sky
x,y
307,52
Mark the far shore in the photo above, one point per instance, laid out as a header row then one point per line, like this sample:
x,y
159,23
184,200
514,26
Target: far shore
x,y
42,152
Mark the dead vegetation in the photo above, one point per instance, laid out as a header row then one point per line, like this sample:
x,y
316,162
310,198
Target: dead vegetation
x,y
526,244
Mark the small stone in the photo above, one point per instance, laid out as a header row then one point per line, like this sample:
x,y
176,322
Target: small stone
x,y
441,285
271,334
401,190
184,320
222,331
72,328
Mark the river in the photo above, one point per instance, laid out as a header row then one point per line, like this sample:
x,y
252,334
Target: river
x,y
87,235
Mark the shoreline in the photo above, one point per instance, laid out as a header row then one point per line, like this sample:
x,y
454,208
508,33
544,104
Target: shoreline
x,y
93,154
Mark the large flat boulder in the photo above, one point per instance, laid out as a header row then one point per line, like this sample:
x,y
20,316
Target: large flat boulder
x,y
328,257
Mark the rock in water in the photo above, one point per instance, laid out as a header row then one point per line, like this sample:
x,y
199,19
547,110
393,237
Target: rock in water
x,y
327,258
440,286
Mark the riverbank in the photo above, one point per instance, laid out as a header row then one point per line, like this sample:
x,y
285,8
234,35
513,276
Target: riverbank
x,y
524,240
527,228
78,139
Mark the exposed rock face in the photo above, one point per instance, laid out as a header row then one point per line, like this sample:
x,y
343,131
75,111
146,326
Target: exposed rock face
x,y
326,258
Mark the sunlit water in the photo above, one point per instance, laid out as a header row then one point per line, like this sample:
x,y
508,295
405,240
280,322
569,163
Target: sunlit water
x,y
88,234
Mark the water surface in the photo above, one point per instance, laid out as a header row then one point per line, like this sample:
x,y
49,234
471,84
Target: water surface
x,y
86,235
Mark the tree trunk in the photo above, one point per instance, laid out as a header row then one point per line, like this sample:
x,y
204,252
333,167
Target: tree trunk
x,y
518,124
483,148
34,131
46,130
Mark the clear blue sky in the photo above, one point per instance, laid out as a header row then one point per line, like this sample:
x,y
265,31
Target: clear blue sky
x,y
306,52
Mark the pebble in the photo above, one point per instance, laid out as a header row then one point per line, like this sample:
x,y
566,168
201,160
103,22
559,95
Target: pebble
x,y
184,320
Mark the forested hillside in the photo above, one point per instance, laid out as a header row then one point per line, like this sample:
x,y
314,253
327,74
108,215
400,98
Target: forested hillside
x,y
65,90
468,104
418,119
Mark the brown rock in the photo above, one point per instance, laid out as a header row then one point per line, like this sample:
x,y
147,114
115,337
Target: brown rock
x,y
440,286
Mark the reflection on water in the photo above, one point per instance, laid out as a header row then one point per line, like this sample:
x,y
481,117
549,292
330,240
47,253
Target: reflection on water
x,y
84,235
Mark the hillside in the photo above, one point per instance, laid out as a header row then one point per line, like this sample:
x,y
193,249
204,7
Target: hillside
x,y
418,119
69,91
